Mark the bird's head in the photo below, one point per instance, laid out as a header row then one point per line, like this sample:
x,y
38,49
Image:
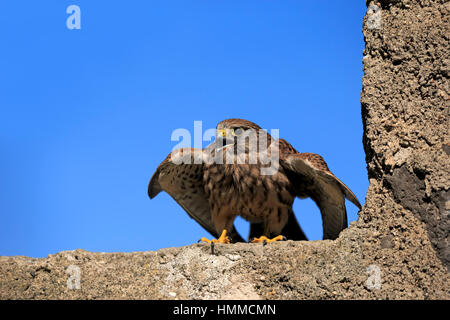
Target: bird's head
x,y
237,132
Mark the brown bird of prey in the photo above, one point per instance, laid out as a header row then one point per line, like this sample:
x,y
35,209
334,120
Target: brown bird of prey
x,y
249,173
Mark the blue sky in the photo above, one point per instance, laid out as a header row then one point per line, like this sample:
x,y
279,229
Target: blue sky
x,y
86,115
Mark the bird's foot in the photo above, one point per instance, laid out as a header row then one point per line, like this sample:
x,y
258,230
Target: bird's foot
x,y
222,239
266,240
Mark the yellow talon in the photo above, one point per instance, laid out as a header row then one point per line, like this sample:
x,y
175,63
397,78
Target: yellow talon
x,y
222,239
264,239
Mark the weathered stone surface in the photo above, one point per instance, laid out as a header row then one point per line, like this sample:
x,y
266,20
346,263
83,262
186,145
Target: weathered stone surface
x,y
398,248
405,108
285,270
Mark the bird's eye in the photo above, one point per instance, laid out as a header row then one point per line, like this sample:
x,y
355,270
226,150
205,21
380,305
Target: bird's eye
x,y
237,131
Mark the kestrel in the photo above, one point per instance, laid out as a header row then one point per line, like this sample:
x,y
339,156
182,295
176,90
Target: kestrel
x,y
227,179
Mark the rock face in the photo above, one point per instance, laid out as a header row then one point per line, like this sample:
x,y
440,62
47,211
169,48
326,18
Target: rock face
x,y
405,109
398,248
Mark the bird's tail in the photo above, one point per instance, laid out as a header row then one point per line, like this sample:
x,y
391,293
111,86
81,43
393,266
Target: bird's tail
x,y
292,230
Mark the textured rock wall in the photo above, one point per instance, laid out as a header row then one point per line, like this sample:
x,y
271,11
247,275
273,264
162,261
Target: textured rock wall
x,y
405,109
397,249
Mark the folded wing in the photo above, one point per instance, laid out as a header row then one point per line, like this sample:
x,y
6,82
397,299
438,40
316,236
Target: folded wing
x,y
311,178
181,176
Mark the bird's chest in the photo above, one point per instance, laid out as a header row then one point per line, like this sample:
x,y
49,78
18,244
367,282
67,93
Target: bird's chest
x,y
245,191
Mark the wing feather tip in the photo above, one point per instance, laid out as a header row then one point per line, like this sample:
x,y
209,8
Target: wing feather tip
x,y
346,191
351,196
154,188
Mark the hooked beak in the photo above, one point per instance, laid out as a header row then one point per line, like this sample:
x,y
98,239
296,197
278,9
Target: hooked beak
x,y
222,141
221,133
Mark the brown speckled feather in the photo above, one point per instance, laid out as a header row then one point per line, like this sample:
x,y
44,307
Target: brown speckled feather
x,y
184,183
286,148
327,191
238,123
